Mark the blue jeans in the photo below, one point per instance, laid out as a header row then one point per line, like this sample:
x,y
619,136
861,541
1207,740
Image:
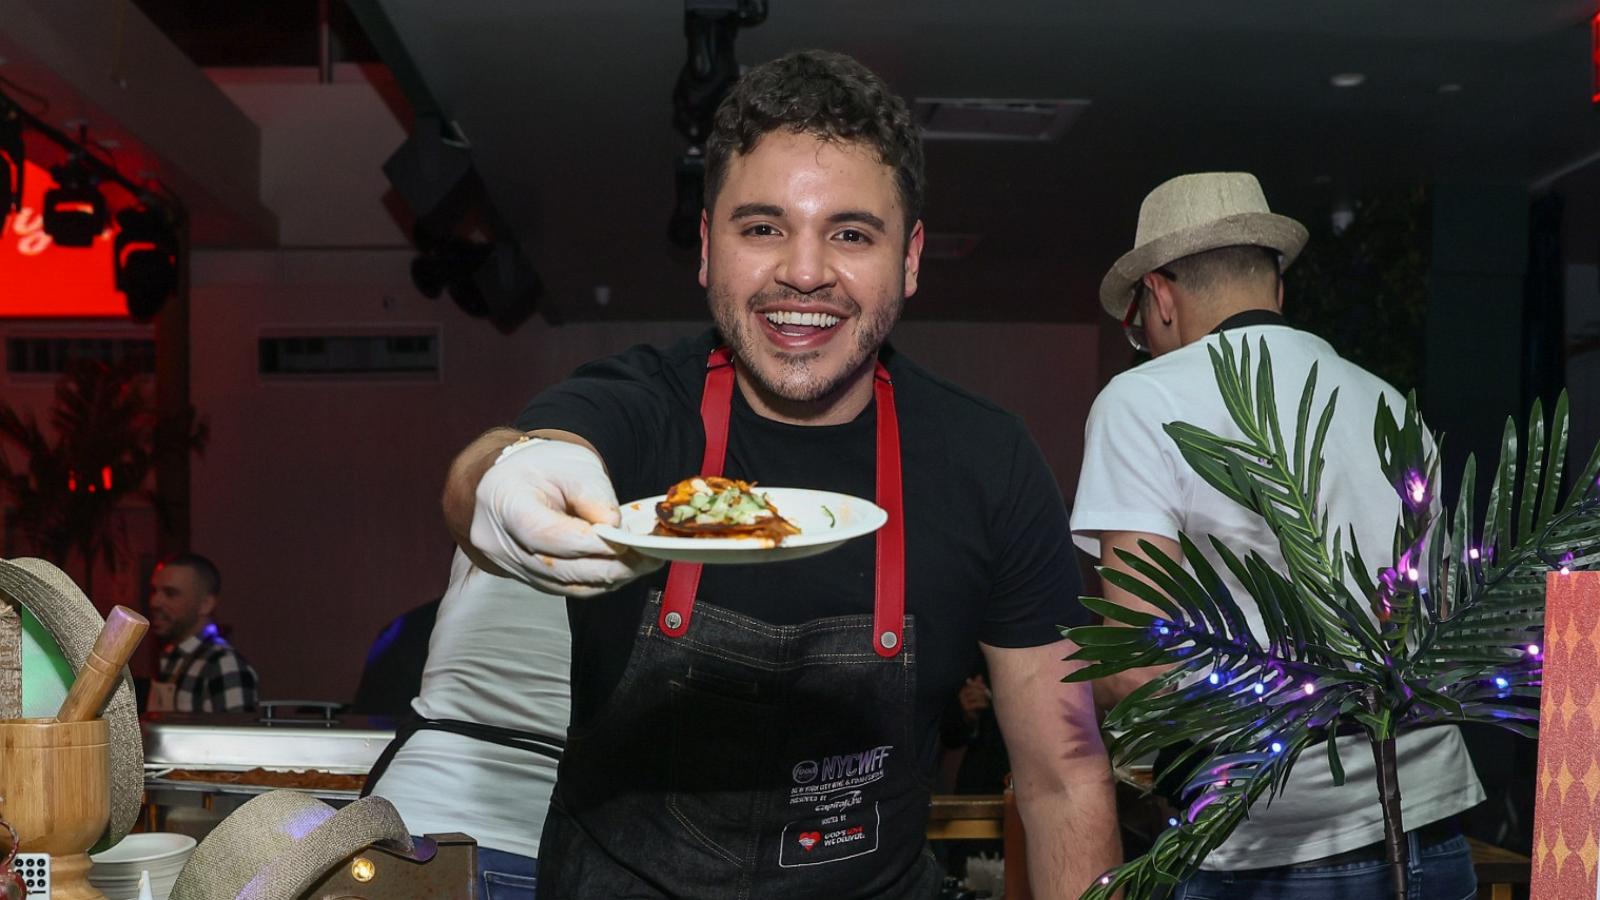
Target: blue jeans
x,y
507,876
1440,872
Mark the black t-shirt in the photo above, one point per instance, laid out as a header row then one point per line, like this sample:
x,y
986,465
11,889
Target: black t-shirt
x,y
988,552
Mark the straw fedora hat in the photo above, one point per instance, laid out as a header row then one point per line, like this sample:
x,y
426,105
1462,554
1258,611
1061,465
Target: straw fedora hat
x,y
1192,214
281,843
69,617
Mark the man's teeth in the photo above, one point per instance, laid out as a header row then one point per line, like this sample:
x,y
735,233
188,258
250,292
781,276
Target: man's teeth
x,y
817,320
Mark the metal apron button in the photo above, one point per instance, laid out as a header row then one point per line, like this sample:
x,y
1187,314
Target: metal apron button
x,y
674,620
889,640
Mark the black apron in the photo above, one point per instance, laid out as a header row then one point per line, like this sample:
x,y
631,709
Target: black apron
x,y
739,760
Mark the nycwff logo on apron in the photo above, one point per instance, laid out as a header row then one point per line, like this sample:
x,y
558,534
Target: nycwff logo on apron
x,y
835,776
838,811
836,782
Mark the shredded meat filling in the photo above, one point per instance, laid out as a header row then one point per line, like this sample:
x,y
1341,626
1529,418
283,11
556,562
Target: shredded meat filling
x,y
714,507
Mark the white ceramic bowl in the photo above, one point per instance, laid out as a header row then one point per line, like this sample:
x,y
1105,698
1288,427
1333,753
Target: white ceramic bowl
x,y
163,855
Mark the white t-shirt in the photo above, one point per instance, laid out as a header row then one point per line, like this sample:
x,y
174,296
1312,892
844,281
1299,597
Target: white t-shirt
x,y
1134,479
499,655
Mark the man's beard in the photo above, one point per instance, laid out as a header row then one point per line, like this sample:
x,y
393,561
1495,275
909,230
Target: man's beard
x,y
798,379
177,628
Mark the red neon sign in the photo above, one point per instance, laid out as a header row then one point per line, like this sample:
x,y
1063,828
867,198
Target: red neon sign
x,y
1594,57
39,279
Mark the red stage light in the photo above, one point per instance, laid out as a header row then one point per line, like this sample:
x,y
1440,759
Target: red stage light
x,y
41,280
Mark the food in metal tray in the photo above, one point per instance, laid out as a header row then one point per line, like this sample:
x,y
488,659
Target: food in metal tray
x,y
307,780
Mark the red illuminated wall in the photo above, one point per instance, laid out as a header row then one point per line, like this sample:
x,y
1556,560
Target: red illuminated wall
x,y
39,279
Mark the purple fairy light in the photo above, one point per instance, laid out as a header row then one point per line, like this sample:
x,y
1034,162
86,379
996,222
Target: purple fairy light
x,y
1473,553
1389,579
1309,688
1416,488
1199,806
1501,683
1533,650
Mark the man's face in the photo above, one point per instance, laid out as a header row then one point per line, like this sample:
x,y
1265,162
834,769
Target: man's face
x,y
806,262
179,605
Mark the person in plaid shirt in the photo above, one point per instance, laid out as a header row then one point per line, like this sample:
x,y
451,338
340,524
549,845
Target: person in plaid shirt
x,y
200,671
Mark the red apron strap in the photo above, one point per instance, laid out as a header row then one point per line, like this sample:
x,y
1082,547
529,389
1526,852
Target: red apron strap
x,y
683,579
889,603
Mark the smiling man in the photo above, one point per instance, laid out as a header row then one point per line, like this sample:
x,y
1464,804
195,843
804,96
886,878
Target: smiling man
x,y
199,671
770,731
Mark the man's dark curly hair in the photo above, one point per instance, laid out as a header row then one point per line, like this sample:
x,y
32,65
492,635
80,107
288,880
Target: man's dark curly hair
x,y
825,94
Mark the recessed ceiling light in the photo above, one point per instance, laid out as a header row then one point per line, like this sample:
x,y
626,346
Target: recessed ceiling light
x,y
1348,80
1451,88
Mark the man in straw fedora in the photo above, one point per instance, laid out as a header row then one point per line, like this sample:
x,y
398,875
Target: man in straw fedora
x,y
1207,260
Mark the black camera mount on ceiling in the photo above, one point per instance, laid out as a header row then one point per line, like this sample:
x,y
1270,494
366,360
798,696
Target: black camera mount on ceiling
x,y
711,26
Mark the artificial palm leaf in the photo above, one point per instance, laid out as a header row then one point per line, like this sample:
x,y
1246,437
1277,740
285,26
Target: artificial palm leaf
x,y
1448,631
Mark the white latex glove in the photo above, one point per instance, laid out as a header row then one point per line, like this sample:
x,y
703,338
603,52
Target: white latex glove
x,y
534,516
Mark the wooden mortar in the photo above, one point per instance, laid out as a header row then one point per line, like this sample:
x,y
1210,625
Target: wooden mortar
x,y
55,790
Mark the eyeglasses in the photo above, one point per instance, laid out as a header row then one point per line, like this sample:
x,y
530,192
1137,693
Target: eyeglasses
x,y
1133,323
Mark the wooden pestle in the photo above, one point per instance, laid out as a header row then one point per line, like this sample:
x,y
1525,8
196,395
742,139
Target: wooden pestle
x,y
103,669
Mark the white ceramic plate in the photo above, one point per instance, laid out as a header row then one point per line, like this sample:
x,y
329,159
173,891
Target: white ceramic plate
x,y
825,520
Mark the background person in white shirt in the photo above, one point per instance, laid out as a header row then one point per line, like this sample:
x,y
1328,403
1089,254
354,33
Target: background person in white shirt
x,y
1208,259
479,756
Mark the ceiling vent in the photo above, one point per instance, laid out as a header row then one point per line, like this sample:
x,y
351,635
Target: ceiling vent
x,y
958,119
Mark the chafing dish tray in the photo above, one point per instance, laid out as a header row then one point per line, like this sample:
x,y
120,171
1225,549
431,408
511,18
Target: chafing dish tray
x,y
235,747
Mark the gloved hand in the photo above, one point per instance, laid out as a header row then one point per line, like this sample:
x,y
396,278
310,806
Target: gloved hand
x,y
534,515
